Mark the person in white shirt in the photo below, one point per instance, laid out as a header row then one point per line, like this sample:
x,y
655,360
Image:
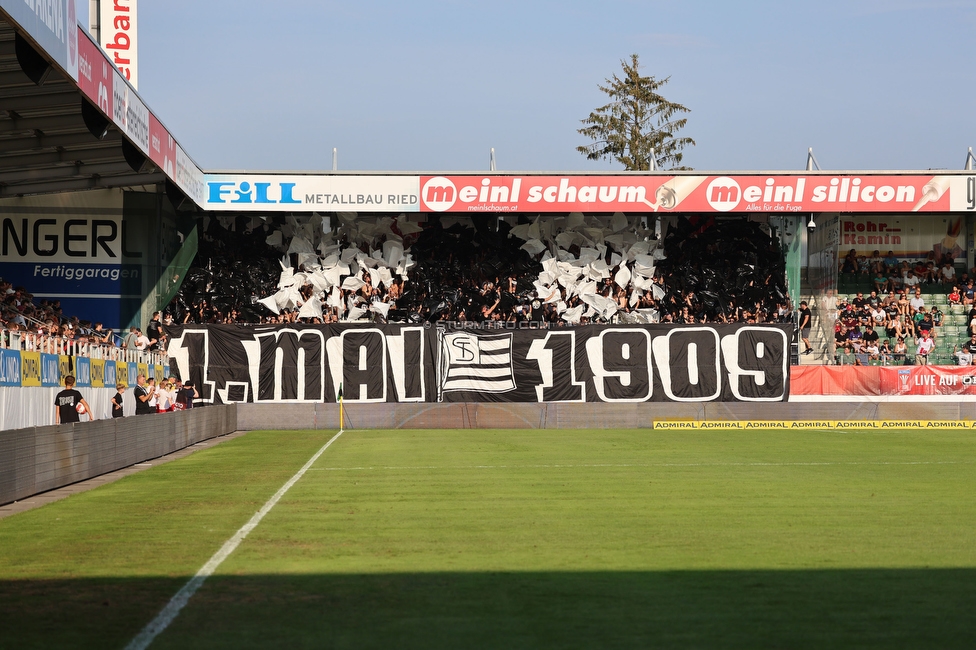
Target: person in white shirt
x,y
910,279
917,302
948,273
142,341
165,397
879,316
925,345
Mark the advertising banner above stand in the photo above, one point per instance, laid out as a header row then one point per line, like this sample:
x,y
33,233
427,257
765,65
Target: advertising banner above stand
x,y
634,193
417,363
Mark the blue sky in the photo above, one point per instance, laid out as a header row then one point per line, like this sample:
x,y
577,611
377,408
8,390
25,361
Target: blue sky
x,y
432,85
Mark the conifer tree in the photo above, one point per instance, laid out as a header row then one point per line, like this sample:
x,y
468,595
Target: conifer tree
x,y
636,122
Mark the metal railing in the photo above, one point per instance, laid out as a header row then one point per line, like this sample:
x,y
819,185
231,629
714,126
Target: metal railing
x,y
27,341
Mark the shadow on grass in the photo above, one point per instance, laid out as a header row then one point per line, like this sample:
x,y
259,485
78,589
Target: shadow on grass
x,y
882,608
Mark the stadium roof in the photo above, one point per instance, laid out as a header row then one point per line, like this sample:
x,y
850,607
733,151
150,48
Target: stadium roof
x,y
45,144
56,135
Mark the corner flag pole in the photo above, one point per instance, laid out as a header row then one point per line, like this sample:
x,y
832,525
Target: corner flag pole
x,y
341,418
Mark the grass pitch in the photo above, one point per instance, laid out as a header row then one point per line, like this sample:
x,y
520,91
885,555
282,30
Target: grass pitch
x,y
428,539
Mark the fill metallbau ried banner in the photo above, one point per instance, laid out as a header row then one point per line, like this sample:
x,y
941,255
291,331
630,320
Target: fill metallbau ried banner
x,y
430,363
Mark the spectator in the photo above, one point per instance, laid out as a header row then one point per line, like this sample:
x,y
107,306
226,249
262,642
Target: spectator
x,y
849,265
954,297
876,261
155,332
881,281
925,325
117,401
870,342
924,347
165,397
910,280
966,356
891,262
189,394
806,320
885,353
142,341
900,351
144,393
917,302
129,342
968,293
101,335
947,274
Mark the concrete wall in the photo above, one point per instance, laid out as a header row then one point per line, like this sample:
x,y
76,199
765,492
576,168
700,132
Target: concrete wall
x,y
38,459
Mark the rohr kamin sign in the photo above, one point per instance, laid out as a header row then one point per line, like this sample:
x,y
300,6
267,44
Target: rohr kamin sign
x,y
117,29
413,363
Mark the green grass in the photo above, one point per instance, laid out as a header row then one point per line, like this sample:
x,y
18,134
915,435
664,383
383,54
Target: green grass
x,y
492,539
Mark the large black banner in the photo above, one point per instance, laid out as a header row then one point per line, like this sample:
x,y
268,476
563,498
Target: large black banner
x,y
415,363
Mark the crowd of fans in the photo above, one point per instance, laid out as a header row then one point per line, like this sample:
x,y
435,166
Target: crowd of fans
x,y
561,271
888,273
43,327
899,326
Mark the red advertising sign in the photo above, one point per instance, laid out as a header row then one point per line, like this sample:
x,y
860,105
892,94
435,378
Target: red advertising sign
x,y
162,147
883,380
766,194
94,73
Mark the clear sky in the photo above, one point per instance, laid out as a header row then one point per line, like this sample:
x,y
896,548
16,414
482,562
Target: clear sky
x,y
432,85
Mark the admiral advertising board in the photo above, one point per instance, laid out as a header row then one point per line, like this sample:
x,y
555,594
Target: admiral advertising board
x,y
412,363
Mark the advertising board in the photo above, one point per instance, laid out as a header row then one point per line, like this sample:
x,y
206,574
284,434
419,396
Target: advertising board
x,y
117,24
661,193
325,193
52,24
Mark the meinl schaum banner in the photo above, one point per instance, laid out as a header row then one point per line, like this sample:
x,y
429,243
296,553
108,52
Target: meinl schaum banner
x,y
417,363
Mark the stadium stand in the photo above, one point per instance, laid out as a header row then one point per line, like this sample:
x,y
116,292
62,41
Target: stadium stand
x,y
568,270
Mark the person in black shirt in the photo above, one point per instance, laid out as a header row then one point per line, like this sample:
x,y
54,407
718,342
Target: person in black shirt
x,y
870,336
66,403
117,401
155,332
143,395
806,320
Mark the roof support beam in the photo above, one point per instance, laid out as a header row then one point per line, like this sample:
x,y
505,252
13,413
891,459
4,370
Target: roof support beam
x,y
49,158
128,180
49,123
65,171
11,145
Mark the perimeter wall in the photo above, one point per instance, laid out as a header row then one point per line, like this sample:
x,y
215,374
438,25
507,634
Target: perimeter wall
x,y
38,459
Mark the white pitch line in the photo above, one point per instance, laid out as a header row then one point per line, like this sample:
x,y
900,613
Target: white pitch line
x,y
172,609
810,464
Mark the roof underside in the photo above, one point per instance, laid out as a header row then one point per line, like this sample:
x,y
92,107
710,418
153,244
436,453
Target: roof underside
x,y
46,145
